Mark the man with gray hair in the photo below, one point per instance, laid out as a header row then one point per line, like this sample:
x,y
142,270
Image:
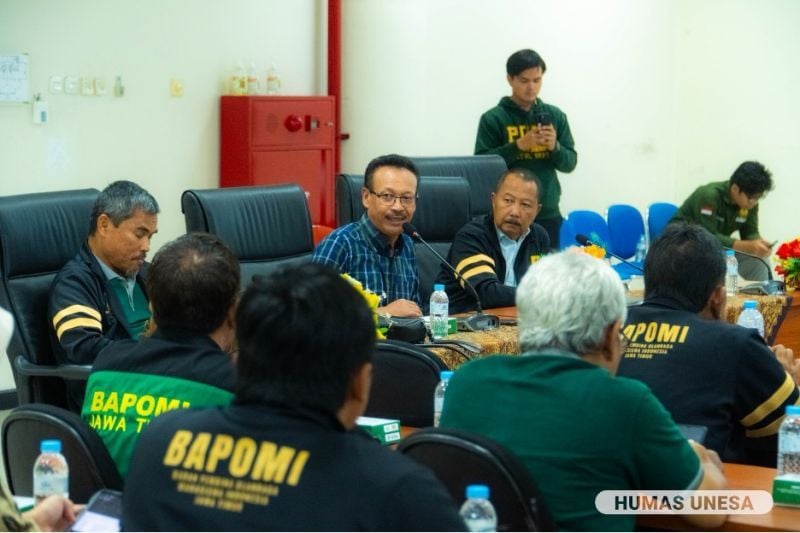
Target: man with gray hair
x,y
98,297
560,410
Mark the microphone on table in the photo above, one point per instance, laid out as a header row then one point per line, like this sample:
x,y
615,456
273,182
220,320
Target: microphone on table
x,y
477,322
583,240
769,286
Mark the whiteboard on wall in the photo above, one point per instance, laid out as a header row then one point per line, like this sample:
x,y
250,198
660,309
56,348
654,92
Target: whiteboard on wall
x,y
14,77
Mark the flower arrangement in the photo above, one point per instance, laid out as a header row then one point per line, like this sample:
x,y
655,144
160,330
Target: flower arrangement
x,y
370,297
788,256
595,251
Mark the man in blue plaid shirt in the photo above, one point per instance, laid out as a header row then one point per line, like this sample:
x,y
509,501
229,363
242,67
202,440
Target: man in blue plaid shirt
x,y
374,250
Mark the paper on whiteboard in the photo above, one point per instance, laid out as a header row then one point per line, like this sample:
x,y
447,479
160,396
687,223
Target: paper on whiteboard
x,y
14,74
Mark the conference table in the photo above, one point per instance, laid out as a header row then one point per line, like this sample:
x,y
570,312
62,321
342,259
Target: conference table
x,y
781,326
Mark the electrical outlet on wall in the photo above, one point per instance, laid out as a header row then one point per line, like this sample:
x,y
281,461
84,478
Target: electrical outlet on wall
x,y
99,86
56,84
87,86
176,88
71,85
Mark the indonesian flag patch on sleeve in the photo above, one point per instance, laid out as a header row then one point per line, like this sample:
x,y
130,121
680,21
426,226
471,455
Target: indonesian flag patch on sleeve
x,y
706,210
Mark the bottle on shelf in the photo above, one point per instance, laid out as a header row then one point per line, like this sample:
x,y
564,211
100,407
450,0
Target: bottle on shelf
x,y
50,471
237,85
439,310
789,442
478,512
641,249
273,80
438,395
751,317
253,87
731,273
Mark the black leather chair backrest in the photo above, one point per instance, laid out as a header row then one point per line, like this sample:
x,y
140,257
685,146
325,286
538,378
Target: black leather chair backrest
x,y
404,377
267,227
348,198
442,210
444,206
91,467
459,459
39,233
480,171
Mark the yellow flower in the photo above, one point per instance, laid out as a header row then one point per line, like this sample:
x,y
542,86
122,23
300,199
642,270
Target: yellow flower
x,y
370,297
595,251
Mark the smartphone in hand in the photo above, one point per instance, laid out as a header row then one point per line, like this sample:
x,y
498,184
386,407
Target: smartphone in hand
x,y
102,513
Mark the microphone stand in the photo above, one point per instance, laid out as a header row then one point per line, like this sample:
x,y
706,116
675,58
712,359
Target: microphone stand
x,y
769,287
477,322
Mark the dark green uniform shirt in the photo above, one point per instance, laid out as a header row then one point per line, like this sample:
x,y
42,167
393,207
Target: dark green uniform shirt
x,y
711,207
498,131
577,429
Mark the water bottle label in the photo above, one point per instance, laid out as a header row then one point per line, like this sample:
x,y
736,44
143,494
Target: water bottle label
x,y
51,484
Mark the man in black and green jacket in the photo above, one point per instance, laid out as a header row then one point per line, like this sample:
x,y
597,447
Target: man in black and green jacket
x,y
193,285
530,134
723,207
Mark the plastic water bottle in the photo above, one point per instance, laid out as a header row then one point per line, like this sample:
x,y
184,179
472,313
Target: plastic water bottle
x,y
478,512
438,395
750,317
253,87
641,250
273,80
731,272
50,471
439,309
789,442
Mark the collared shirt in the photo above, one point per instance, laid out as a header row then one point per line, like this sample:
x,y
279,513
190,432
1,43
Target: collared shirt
x,y
362,251
510,248
128,283
136,308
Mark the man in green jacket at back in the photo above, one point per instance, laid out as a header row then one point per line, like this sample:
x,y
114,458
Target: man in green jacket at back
x,y
530,134
723,207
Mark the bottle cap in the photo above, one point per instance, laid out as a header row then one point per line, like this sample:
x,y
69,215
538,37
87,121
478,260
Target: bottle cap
x,y
793,410
750,304
730,252
445,374
478,491
438,287
50,446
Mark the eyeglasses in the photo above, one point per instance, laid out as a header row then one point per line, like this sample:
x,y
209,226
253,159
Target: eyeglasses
x,y
388,198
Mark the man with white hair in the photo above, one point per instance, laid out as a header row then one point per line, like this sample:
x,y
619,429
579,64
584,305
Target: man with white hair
x,y
559,408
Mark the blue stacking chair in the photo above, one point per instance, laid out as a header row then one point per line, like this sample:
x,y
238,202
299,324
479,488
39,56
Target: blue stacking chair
x,y
658,215
567,234
625,227
594,226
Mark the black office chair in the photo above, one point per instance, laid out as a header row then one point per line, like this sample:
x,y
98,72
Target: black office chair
x,y
443,209
404,377
459,459
90,465
480,171
39,233
267,227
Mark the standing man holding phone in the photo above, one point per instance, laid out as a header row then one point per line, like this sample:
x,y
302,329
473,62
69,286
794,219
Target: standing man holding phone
x,y
530,134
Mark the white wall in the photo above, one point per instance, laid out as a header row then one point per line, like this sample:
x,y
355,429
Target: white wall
x,y
662,95
165,144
